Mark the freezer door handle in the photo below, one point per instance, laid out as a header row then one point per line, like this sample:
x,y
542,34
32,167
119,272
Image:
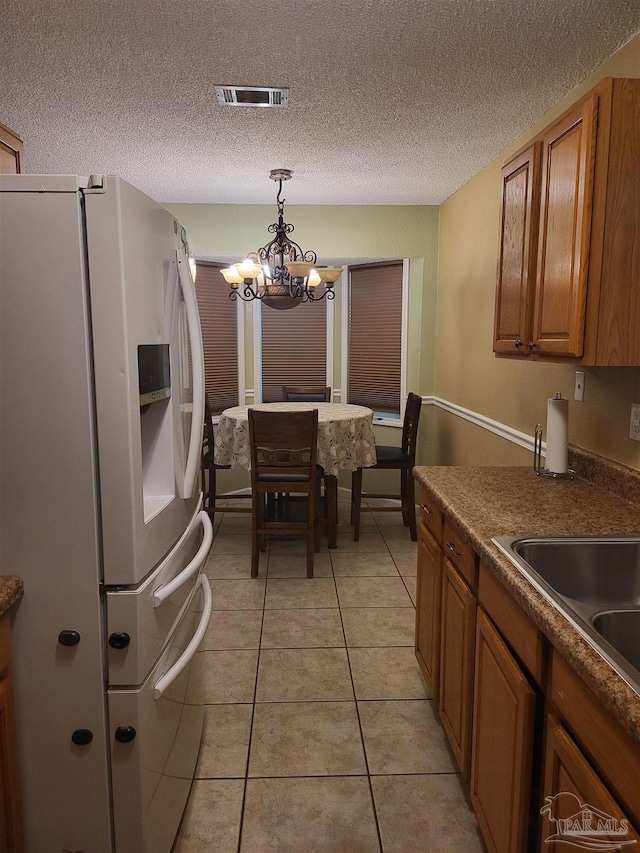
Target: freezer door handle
x,y
163,592
197,370
170,676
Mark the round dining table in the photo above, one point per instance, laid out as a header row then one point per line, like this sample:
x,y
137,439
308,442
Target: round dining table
x,y
345,442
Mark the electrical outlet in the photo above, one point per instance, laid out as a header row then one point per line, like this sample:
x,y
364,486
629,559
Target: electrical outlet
x,y
634,427
578,393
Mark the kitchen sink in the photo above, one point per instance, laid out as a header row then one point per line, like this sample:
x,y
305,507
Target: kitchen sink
x,y
602,570
621,628
595,584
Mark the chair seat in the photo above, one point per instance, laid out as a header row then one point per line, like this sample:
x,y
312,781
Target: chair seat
x,y
396,455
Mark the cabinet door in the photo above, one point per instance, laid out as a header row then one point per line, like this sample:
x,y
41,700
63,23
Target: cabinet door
x,y
429,585
576,806
568,162
503,732
457,640
10,152
519,220
10,807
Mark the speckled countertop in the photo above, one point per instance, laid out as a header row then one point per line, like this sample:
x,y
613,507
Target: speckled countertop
x,y
11,590
486,502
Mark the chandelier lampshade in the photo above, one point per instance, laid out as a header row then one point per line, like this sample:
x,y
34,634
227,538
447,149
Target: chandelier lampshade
x,y
280,274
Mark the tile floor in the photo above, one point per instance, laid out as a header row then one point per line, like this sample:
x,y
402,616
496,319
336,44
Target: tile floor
x,y
320,734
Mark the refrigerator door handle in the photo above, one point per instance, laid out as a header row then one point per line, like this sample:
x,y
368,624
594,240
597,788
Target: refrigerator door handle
x,y
163,592
197,366
170,676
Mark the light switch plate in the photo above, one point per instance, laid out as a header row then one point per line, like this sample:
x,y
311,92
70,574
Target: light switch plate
x,y
634,426
578,393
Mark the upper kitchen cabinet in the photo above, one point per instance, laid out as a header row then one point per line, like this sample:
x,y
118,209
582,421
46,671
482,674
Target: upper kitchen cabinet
x,y
569,263
519,213
11,149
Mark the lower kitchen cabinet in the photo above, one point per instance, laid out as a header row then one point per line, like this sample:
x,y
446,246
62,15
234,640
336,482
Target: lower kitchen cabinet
x,y
503,739
10,804
428,594
576,805
502,689
457,640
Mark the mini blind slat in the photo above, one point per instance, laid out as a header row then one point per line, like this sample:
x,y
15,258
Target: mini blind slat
x,y
375,337
294,348
219,337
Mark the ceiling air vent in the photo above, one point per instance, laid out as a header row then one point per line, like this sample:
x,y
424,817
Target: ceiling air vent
x,y
252,96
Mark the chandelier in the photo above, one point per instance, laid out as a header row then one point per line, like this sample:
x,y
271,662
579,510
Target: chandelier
x,y
280,274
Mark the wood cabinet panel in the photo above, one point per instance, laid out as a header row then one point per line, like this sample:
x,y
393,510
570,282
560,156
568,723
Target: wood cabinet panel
x,y
570,783
503,733
457,640
565,228
618,339
11,152
513,623
10,801
611,749
428,598
519,216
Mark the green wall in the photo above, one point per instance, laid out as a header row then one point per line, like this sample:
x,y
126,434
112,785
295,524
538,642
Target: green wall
x,y
337,234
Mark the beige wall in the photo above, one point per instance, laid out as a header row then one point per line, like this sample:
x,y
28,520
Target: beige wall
x,y
509,391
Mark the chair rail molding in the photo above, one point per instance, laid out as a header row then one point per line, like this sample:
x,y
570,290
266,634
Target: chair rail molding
x,y
522,439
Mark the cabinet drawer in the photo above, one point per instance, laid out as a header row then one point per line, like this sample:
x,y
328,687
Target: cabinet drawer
x,y
614,752
431,516
513,623
460,553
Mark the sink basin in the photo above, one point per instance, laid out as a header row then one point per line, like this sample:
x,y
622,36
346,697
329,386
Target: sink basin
x,y
621,628
602,570
595,584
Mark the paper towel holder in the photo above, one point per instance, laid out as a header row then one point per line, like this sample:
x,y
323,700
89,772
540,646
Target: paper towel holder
x,y
537,459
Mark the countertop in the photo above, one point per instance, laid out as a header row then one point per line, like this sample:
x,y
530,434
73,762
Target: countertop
x,y
496,501
11,590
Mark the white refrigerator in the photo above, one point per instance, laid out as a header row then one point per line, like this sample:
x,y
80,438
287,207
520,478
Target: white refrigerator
x,y
101,414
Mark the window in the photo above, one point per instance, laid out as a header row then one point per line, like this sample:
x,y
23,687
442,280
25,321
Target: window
x,y
218,318
294,347
375,366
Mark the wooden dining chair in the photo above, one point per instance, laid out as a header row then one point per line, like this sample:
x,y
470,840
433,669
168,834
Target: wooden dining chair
x,y
402,459
283,448
306,394
209,467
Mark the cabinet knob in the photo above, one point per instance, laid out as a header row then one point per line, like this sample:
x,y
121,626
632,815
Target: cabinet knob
x,y
82,737
517,344
531,345
69,638
119,640
125,734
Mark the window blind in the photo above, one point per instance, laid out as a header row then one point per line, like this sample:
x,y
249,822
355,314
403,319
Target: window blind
x,y
219,336
294,348
375,336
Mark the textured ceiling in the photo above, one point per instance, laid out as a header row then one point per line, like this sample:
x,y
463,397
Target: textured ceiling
x,y
394,102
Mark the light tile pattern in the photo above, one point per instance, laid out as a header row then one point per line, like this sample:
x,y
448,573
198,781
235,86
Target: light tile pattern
x,y
320,734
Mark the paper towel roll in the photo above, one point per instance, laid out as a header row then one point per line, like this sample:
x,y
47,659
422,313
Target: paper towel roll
x,y
557,435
